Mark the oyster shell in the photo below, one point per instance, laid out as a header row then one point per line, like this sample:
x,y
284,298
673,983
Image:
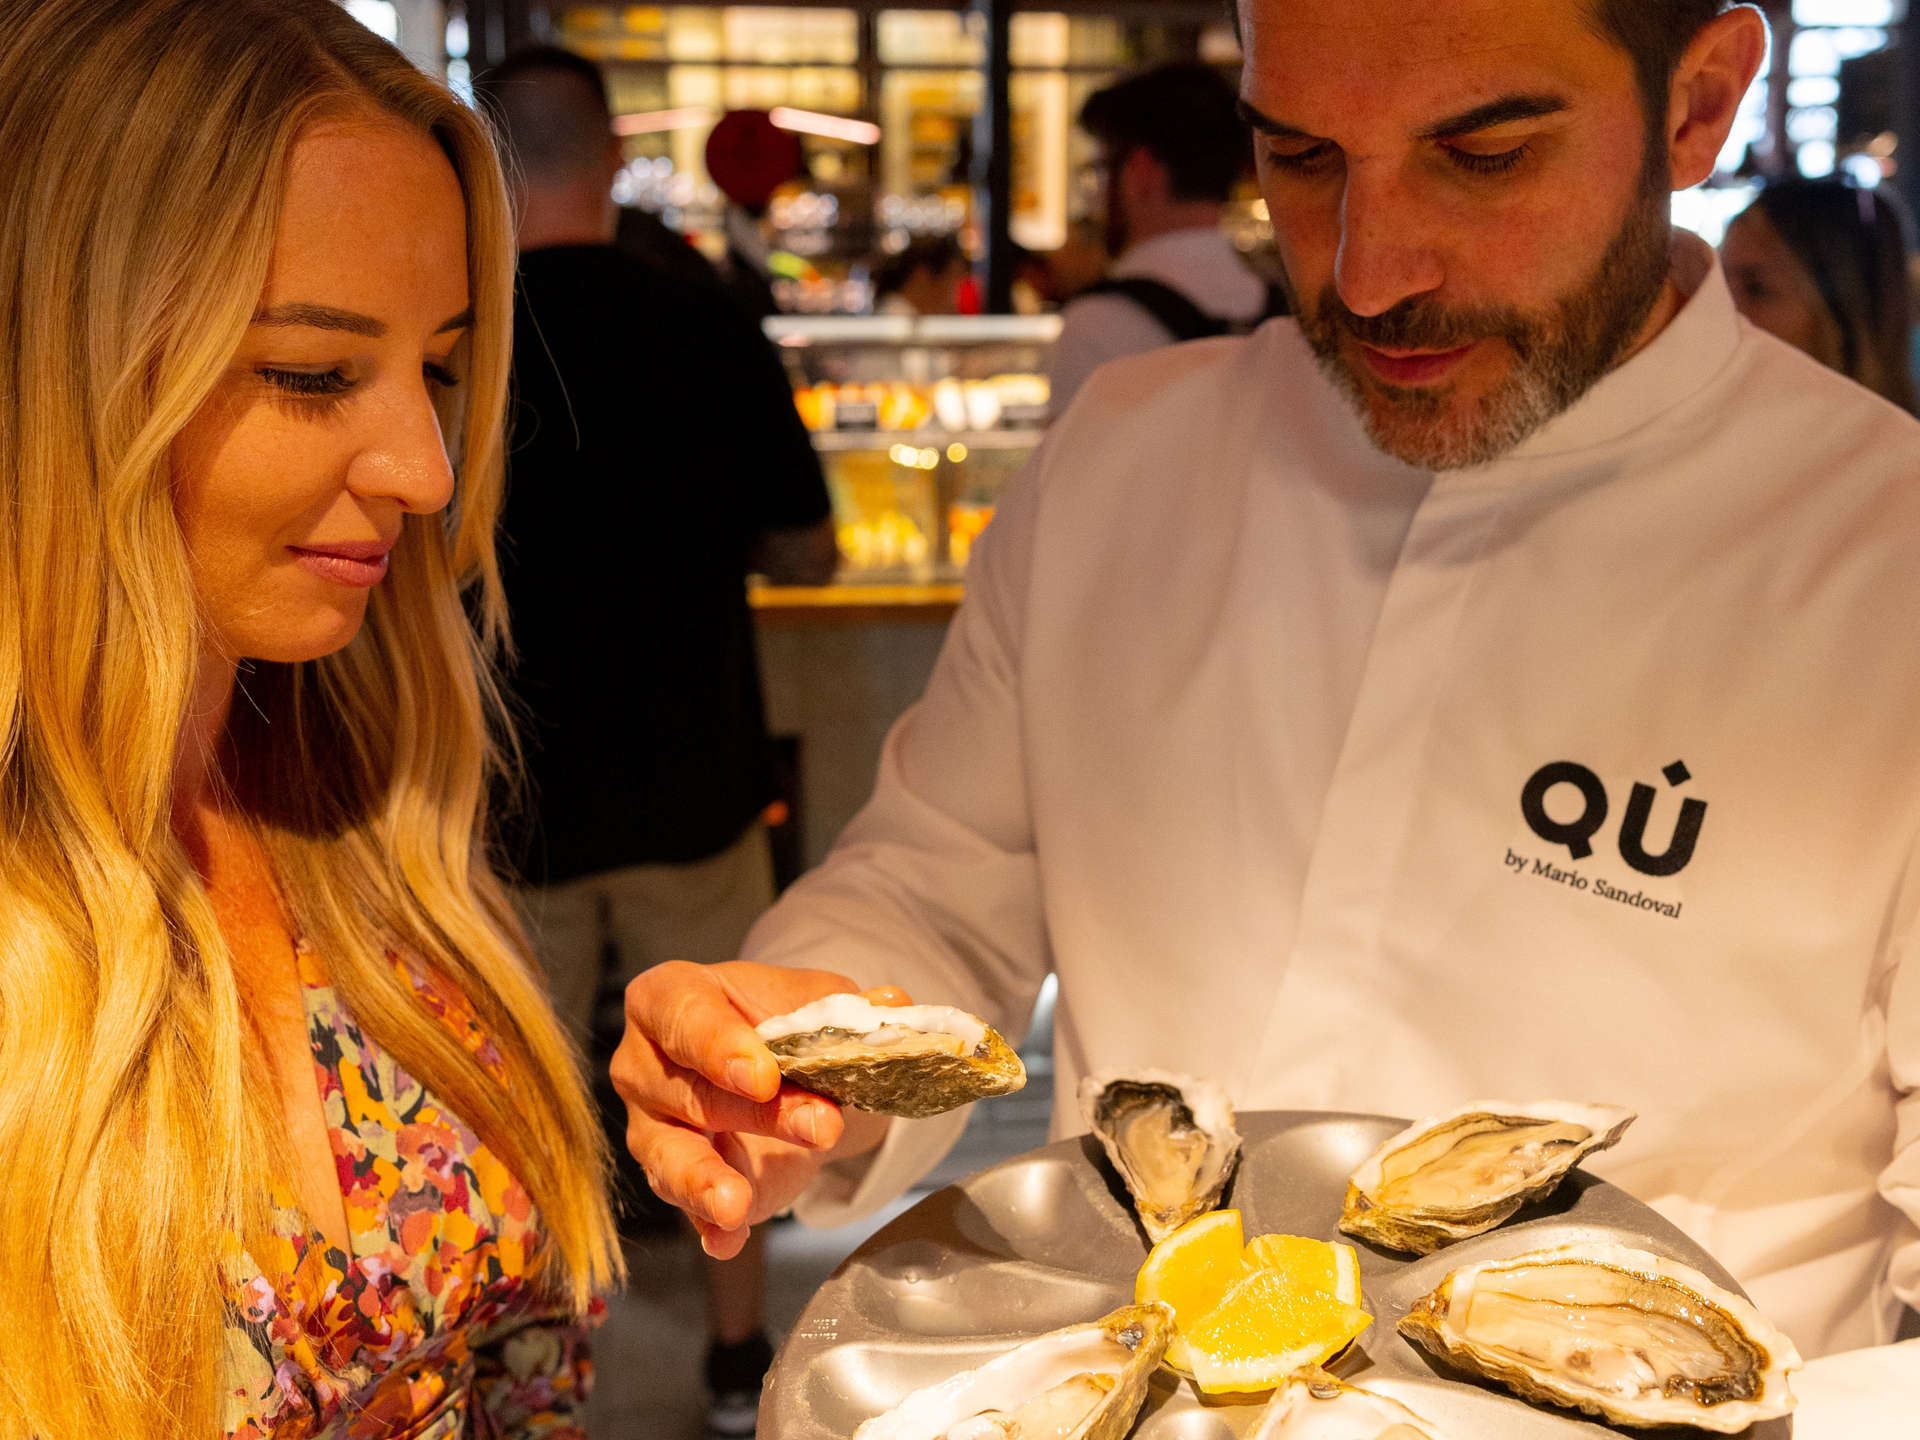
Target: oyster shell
x,y
1170,1136
1086,1382
910,1060
1314,1405
1629,1336
1453,1176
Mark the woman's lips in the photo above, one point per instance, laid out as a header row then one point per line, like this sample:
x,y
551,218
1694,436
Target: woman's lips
x,y
1409,368
362,566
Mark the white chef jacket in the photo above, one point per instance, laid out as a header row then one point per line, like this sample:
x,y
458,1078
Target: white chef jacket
x,y
1200,263
1590,773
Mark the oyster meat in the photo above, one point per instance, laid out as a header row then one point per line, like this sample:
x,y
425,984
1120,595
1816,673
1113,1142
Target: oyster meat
x,y
1086,1382
1170,1136
1454,1176
910,1060
1314,1405
1623,1334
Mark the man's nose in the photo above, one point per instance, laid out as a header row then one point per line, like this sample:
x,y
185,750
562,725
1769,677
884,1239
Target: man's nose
x,y
1386,253
405,457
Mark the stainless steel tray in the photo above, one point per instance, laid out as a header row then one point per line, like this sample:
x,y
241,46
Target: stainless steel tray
x,y
1048,1239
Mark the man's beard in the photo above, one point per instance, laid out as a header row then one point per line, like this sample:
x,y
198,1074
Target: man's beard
x,y
1559,353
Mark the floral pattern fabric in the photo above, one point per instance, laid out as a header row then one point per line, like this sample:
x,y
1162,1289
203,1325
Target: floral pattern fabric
x,y
430,1327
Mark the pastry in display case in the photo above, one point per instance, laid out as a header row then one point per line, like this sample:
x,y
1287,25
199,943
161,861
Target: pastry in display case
x,y
920,422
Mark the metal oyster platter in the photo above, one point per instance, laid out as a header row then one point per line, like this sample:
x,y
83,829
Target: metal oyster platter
x,y
1049,1239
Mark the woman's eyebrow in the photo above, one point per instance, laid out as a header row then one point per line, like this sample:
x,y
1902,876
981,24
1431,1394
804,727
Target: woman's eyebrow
x,y
326,317
320,317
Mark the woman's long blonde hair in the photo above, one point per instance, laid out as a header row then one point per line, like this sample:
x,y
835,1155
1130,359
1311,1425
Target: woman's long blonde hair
x,y
144,148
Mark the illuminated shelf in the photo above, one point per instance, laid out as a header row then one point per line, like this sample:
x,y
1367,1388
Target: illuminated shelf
x,y
895,330
840,441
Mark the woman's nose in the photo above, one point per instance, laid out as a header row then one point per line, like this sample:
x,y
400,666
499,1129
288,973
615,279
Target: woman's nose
x,y
405,456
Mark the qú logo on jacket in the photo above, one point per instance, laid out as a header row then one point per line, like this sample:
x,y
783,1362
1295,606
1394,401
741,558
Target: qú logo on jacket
x,y
1579,833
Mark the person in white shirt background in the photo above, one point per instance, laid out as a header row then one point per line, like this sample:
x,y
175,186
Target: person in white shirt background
x,y
1171,150
1499,681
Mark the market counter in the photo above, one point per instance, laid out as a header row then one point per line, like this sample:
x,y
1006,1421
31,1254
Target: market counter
x,y
853,604
838,665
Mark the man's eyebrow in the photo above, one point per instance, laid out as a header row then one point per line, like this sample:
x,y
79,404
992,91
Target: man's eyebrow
x,y
1504,111
1267,125
326,317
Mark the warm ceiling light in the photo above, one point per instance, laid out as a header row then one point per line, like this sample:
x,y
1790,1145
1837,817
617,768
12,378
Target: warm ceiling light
x,y
834,127
647,122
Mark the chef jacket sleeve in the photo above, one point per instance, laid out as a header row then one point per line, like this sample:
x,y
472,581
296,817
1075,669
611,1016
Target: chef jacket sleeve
x,y
934,886
1900,1182
1875,1394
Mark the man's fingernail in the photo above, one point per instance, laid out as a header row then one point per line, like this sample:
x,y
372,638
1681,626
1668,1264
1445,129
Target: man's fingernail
x,y
743,1075
806,1124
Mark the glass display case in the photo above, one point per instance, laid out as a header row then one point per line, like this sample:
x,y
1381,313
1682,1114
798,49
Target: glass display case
x,y
919,422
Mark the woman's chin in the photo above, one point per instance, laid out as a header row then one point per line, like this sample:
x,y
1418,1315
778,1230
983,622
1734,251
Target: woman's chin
x,y
315,639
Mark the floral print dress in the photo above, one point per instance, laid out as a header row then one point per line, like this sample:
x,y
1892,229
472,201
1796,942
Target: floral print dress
x,y
430,1328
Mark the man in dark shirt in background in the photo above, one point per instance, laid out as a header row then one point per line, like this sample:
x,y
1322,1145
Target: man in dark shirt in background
x,y
656,459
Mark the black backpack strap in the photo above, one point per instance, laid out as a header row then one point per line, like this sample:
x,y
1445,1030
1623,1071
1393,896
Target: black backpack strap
x,y
1183,319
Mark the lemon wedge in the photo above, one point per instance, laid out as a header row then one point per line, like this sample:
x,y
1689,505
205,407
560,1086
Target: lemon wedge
x,y
1192,1270
1230,1334
1310,1264
1265,1328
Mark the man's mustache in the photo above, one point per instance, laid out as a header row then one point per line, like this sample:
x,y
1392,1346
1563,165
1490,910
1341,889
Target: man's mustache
x,y
1418,324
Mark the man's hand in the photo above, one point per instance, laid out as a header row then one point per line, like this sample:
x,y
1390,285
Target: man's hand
x,y
708,1118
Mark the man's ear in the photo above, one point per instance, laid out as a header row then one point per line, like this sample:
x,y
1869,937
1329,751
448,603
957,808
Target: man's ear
x,y
1709,83
1142,176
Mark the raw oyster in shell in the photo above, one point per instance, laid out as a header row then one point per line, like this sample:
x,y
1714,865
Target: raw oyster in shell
x,y
908,1060
1170,1136
1629,1336
1313,1405
1086,1382
1454,1176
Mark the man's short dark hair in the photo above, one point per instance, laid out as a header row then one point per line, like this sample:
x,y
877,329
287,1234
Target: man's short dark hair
x,y
552,106
1184,116
1656,34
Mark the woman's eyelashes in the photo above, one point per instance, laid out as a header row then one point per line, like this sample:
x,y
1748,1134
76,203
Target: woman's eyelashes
x,y
326,389
307,384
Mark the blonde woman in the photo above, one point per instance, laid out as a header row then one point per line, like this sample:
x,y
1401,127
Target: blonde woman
x,y
290,1139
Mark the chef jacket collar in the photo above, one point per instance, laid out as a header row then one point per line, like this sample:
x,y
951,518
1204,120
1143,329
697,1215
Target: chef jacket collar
x,y
1682,360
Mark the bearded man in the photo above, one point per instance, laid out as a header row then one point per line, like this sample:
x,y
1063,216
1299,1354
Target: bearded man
x,y
1504,680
